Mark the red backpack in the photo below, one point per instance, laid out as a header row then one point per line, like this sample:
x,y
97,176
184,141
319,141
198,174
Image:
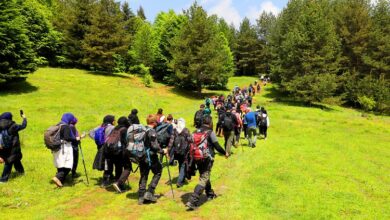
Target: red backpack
x,y
199,149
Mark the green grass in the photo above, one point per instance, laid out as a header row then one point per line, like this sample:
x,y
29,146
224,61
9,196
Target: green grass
x,y
316,164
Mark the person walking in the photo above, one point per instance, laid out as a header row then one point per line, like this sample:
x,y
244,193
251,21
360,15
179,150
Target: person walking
x,y
250,118
11,155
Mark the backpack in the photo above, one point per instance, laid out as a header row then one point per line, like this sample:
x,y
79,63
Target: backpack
x,y
52,137
199,118
227,123
162,134
5,139
113,145
136,136
263,120
181,142
199,149
100,136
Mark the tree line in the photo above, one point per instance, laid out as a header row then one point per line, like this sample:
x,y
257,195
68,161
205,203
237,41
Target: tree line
x,y
314,50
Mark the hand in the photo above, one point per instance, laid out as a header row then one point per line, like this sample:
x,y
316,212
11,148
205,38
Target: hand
x,y
78,138
23,116
1,160
165,151
227,155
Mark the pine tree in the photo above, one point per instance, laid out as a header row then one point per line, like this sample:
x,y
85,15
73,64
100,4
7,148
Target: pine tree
x,y
248,49
16,55
201,55
141,13
144,47
265,24
310,59
105,38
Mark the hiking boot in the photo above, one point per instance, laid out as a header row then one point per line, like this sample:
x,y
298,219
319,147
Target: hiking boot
x,y
117,187
57,181
191,206
75,175
211,197
150,197
140,200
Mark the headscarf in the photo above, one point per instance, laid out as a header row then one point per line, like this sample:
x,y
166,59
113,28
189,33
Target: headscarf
x,y
181,124
108,119
6,115
68,118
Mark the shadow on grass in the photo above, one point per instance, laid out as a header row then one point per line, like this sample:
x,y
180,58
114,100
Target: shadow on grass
x,y
186,197
19,87
282,98
193,95
106,74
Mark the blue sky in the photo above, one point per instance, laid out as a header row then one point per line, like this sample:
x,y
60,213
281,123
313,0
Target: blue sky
x,y
233,11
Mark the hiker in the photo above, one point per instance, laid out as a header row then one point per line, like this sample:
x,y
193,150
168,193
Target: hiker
x,y
214,99
245,123
221,115
198,117
160,116
206,111
113,151
150,163
10,150
203,158
264,122
258,88
237,128
133,118
250,119
228,125
100,135
63,158
179,145
122,164
249,100
75,146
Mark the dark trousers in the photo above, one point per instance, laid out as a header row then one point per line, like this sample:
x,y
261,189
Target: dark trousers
x,y
182,170
218,130
263,130
62,173
156,168
75,159
237,133
245,127
8,168
109,167
127,168
229,140
204,184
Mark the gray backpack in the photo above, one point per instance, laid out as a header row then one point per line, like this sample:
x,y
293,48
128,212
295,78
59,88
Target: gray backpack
x,y
52,137
135,137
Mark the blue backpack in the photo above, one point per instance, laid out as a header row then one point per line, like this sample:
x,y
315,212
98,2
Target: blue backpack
x,y
5,139
100,136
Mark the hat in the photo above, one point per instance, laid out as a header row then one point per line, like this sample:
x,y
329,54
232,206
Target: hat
x,y
202,106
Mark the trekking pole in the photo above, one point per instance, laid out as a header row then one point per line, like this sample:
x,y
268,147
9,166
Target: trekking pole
x,y
169,174
82,156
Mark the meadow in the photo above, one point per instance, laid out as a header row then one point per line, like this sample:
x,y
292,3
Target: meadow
x,y
319,162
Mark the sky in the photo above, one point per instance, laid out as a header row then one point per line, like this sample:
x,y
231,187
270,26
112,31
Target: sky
x,y
233,11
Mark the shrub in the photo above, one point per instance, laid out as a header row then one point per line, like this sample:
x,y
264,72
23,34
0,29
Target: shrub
x,y
367,103
147,80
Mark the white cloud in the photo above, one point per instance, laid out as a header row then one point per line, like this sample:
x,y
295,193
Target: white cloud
x,y
224,9
255,12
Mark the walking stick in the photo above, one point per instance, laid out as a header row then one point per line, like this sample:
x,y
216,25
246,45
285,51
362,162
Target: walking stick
x,y
169,174
82,156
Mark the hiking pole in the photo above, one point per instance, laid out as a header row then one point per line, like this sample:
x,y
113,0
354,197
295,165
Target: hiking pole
x,y
82,156
169,174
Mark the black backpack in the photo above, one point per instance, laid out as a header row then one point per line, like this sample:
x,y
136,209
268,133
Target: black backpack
x,y
199,118
113,145
263,119
182,142
5,136
163,135
227,123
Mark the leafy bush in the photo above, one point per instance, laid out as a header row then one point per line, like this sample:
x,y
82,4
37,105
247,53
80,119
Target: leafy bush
x,y
367,103
147,80
140,69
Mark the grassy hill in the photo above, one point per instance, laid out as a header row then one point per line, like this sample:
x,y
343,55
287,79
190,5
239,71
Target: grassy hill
x,y
318,163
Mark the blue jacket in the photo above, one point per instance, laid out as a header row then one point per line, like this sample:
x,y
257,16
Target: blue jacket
x,y
250,118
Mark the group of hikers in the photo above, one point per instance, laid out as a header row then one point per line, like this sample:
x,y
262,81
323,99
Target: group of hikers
x,y
125,142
